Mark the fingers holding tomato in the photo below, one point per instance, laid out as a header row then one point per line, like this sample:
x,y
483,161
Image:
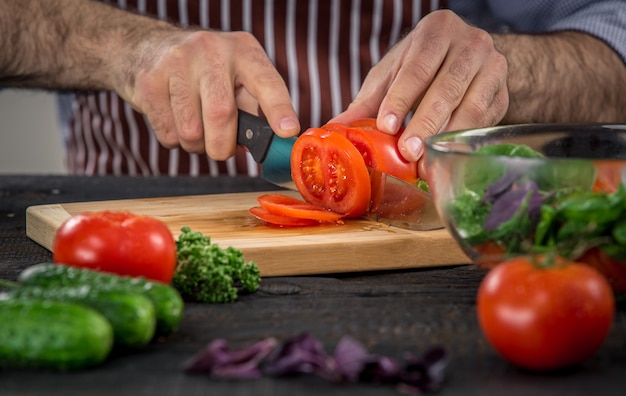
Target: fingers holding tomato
x,y
378,149
119,242
543,315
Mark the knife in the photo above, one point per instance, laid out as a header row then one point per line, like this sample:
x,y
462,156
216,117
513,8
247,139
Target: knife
x,y
273,152
401,204
394,201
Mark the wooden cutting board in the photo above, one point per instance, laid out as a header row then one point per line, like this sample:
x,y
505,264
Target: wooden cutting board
x,y
356,245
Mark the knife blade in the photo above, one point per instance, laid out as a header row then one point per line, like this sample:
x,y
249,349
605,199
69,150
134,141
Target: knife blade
x,y
401,204
394,201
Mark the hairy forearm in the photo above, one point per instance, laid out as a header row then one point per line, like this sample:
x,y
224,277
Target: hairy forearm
x,y
68,44
563,77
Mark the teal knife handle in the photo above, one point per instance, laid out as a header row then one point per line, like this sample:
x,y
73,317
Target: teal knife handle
x,y
255,134
278,159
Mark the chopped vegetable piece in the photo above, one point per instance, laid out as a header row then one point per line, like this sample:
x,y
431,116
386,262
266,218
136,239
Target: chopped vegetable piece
x,y
276,220
284,205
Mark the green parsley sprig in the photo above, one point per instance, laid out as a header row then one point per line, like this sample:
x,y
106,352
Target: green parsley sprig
x,y
207,273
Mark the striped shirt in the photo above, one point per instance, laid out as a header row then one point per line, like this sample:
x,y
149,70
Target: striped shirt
x,y
322,49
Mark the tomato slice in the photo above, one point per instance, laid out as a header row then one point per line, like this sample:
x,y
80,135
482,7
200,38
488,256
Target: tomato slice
x,y
283,205
329,172
393,201
379,149
279,220
609,176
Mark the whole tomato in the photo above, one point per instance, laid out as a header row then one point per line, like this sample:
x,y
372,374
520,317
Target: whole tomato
x,y
543,313
613,270
119,242
378,149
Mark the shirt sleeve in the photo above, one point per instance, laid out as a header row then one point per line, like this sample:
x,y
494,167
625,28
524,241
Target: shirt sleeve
x,y
604,19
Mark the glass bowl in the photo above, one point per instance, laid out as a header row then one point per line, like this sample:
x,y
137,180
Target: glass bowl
x,y
537,188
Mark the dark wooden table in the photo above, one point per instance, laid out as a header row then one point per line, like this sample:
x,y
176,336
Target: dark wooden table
x,y
390,312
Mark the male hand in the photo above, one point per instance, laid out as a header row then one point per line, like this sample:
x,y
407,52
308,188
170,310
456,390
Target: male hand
x,y
189,84
449,72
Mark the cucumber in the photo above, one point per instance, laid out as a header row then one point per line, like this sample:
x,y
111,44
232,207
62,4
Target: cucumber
x,y
168,303
131,314
37,334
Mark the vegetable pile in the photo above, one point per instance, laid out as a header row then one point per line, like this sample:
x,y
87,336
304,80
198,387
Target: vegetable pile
x,y
129,244
329,167
65,318
304,354
575,208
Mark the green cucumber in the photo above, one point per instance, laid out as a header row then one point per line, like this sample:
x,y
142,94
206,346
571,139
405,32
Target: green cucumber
x,y
131,314
37,334
168,303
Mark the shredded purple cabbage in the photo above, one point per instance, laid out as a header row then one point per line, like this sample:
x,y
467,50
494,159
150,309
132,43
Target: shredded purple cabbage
x,y
304,354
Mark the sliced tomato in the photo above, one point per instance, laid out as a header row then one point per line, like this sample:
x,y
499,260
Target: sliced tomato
x,y
379,149
329,172
609,176
393,201
292,207
279,220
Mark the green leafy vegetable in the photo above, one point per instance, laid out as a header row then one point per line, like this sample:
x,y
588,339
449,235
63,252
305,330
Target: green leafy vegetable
x,y
483,169
502,204
207,273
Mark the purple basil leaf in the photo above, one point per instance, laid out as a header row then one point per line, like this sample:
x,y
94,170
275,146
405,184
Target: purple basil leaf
x,y
381,369
350,357
301,354
424,373
219,361
500,186
509,203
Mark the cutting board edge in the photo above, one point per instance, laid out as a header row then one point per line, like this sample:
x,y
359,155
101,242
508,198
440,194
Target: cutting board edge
x,y
43,221
311,260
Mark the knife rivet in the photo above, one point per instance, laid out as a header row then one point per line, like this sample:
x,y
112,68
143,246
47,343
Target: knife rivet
x,y
249,134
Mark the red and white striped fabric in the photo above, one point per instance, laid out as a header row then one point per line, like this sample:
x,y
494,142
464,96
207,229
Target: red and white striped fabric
x,y
323,49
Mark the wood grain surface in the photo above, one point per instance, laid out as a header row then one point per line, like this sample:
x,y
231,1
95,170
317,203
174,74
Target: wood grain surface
x,y
357,245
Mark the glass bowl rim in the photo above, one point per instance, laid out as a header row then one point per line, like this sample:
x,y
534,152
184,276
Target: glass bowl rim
x,y
434,142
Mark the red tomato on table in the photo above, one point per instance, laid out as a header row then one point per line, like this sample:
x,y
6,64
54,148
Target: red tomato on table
x,y
379,149
119,242
329,172
545,318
